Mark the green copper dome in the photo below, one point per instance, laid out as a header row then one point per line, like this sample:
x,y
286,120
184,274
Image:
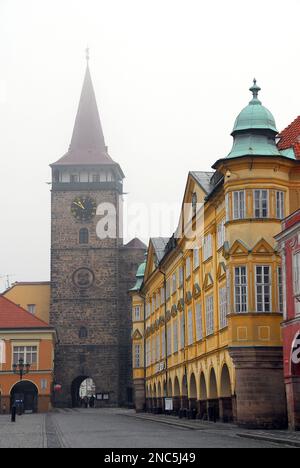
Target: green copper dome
x,y
255,115
254,130
139,276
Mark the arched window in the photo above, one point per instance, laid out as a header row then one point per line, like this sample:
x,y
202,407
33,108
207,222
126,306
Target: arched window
x,y
83,333
84,236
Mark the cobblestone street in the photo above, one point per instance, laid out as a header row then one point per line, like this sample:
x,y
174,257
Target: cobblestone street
x,y
115,428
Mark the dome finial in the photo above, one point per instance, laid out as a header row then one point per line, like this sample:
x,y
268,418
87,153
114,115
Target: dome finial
x,y
255,90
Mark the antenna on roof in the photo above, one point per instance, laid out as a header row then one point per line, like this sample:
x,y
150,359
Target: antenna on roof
x,y
7,280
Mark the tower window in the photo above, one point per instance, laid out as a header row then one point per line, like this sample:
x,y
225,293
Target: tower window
x,y
83,333
84,236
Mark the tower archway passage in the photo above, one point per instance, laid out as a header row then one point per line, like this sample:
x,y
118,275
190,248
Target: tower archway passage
x,y
82,391
25,396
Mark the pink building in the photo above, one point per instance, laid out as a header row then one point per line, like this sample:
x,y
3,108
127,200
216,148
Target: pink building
x,y
289,244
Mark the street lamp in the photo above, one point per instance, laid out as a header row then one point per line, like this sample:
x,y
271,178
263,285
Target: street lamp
x,y
21,368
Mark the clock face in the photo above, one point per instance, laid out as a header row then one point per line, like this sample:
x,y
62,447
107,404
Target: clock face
x,y
83,208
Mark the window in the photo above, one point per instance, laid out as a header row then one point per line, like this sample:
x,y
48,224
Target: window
x,y
188,267
153,351
207,247
180,276
163,343
182,332
148,310
190,327
261,203
280,205
137,356
239,205
199,326
137,313
241,291
280,289
221,233
157,300
223,307
227,207
174,283
297,274
158,346
169,340
96,178
84,236
210,315
83,333
74,178
31,308
175,336
148,353
196,258
263,288
27,353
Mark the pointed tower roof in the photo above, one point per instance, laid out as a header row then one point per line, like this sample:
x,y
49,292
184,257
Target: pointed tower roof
x,y
87,145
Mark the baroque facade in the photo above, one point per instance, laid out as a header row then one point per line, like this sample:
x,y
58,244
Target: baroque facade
x,y
90,274
207,313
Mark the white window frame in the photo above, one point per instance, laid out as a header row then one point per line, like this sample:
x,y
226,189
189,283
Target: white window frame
x,y
190,327
223,307
280,204
158,350
209,313
27,353
175,336
181,276
296,274
239,204
221,233
240,285
168,289
227,207
199,322
261,199
188,267
182,331
137,313
196,258
263,285
163,343
31,308
169,340
207,247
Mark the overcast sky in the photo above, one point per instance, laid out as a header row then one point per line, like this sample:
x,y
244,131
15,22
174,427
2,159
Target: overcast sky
x,y
170,78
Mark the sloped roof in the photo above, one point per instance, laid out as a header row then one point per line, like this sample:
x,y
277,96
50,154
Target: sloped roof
x,y
15,317
135,244
290,137
203,179
87,145
159,245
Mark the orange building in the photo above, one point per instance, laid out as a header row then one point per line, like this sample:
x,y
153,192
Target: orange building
x,y
31,296
24,337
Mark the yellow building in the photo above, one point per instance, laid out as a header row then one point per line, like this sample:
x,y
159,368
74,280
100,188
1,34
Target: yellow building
x,y
207,314
33,297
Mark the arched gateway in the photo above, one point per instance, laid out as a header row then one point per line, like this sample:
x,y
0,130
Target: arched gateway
x,y
83,386
25,393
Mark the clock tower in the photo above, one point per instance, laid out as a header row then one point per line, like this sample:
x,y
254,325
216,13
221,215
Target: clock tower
x,y
90,274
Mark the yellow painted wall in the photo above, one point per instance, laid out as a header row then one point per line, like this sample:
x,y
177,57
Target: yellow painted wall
x,y
24,294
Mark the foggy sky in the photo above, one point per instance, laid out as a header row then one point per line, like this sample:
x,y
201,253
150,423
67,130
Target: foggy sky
x,y
170,78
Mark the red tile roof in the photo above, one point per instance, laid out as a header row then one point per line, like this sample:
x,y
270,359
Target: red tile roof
x,y
13,316
290,137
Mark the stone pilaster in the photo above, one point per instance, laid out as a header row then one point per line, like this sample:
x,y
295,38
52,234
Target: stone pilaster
x,y
260,393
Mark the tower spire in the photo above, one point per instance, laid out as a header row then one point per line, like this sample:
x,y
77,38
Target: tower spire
x,y
87,54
